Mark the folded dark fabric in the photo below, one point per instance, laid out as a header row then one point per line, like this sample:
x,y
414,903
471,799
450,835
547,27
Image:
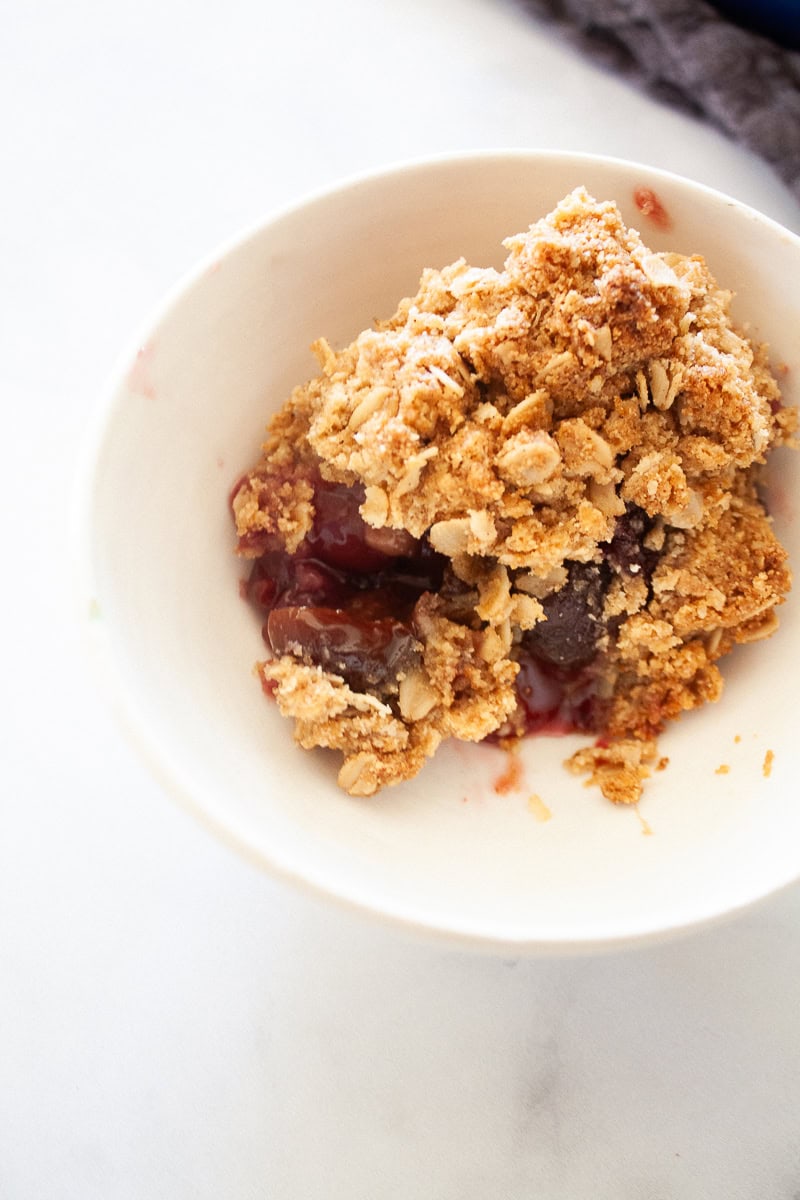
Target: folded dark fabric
x,y
688,53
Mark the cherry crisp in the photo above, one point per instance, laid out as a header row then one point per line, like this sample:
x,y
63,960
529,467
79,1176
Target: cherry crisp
x,y
527,502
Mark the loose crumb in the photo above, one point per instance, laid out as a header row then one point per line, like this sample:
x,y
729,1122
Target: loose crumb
x,y
723,769
619,769
538,807
769,759
647,829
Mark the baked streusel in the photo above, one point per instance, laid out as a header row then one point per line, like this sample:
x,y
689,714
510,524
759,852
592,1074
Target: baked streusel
x,y
528,501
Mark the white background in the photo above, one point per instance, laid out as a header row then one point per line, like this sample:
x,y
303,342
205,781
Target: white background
x,y
173,1023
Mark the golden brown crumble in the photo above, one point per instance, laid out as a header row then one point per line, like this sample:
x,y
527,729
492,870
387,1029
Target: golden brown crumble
x,y
578,437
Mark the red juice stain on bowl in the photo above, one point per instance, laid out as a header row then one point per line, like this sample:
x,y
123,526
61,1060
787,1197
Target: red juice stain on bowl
x,y
512,778
649,204
140,376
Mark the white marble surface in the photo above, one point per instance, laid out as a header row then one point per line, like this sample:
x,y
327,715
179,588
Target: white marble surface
x,y
173,1023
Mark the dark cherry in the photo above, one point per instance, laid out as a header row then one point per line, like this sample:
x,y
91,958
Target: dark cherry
x,y
340,536
366,653
278,579
626,550
574,625
556,684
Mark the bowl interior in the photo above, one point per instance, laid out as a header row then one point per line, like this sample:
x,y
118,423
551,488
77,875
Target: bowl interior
x,y
445,852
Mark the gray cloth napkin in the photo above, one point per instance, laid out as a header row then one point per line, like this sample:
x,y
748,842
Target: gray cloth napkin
x,y
687,53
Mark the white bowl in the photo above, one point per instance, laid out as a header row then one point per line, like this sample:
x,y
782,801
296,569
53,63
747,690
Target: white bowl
x,y
444,853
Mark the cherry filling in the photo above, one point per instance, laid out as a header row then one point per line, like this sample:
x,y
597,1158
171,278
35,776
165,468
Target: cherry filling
x,y
344,601
627,551
557,684
367,653
553,700
568,637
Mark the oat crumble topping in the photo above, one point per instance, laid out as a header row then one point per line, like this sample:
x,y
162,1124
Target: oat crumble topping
x,y
528,500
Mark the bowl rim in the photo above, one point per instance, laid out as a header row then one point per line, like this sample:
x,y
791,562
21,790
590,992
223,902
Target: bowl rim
x,y
107,670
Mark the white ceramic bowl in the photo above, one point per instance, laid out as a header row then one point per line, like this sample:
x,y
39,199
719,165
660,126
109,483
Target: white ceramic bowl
x,y
444,853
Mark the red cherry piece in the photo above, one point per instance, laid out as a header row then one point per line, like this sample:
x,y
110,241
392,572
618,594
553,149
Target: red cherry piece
x,y
367,654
